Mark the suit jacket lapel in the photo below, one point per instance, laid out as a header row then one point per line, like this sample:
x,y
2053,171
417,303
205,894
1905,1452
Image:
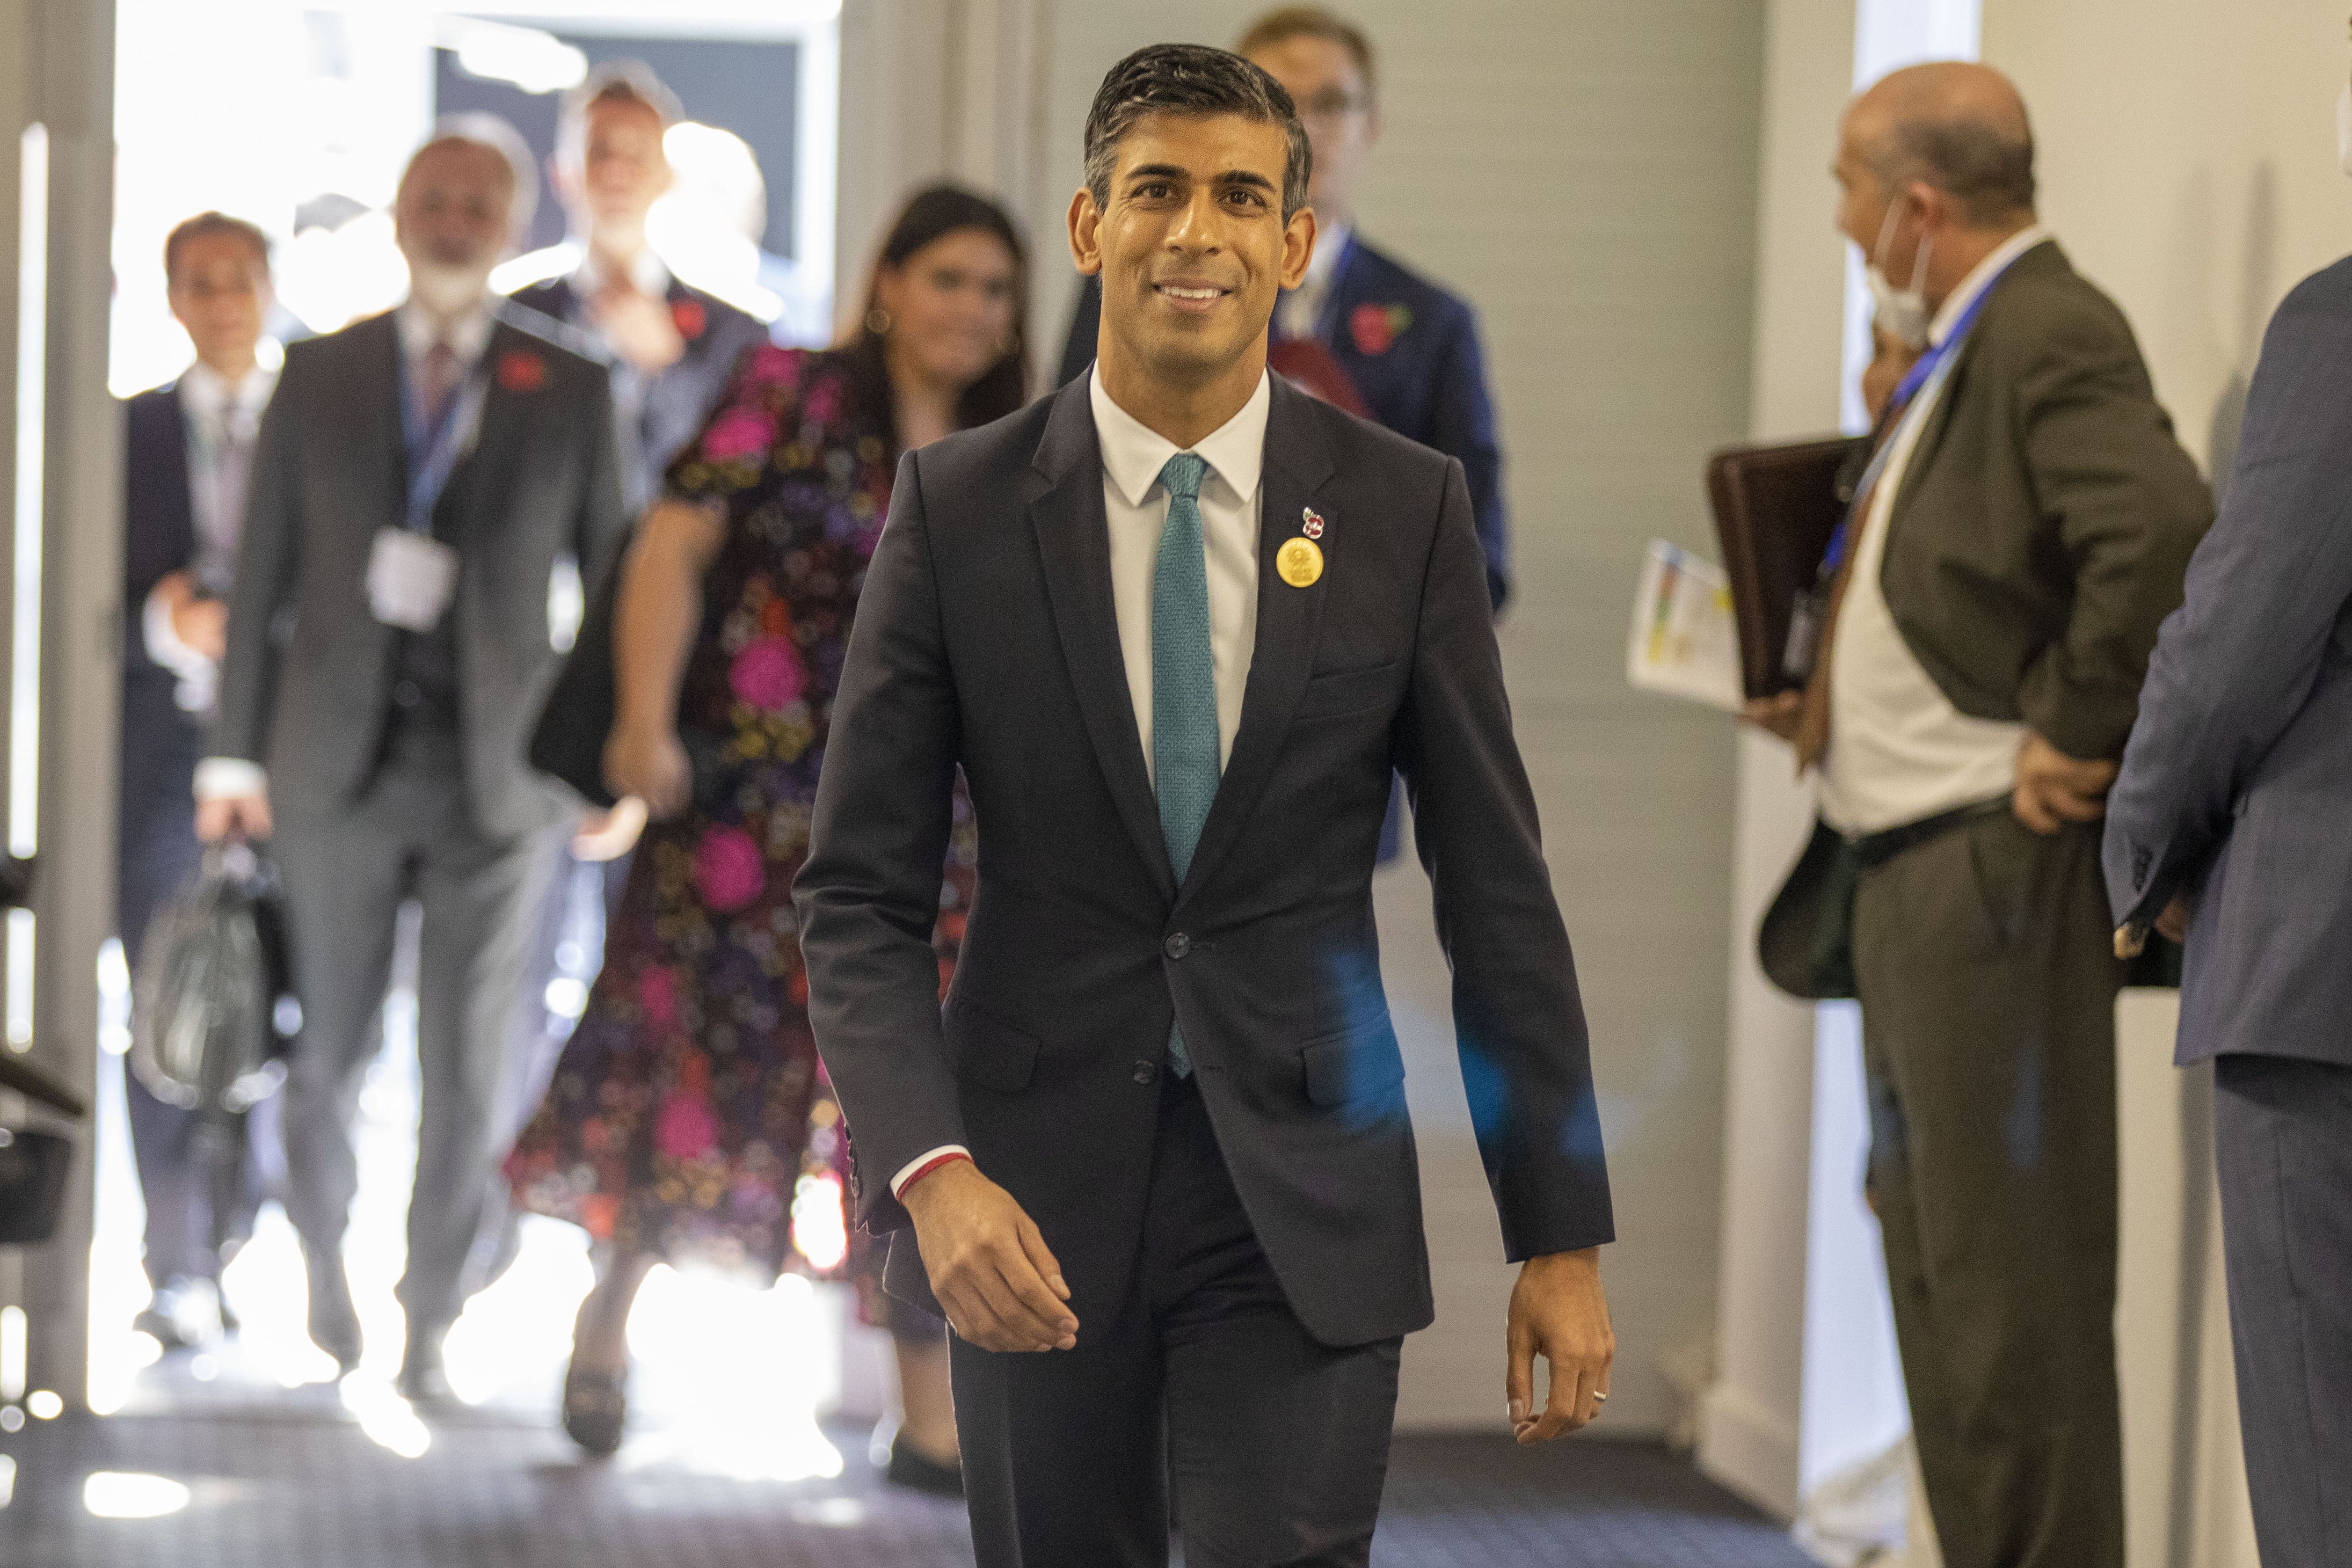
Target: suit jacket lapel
x,y
478,487
375,346
1289,620
1073,545
2040,257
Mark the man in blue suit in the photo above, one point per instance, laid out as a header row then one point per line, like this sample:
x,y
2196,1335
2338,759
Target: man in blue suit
x,y
188,450
1411,348
2228,828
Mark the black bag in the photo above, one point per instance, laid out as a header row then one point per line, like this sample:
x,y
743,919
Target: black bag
x,y
214,974
33,1170
568,742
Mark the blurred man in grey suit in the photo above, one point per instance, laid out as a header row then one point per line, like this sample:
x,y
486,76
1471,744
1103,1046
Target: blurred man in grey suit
x,y
2228,828
417,479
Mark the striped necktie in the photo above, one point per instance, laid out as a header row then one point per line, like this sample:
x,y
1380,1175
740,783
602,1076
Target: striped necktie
x,y
1184,764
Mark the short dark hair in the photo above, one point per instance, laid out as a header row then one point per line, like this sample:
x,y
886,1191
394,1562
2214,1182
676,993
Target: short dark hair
x,y
206,225
1287,22
615,81
1194,79
1990,175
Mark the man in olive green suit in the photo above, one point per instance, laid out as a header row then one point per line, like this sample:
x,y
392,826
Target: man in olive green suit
x,y
1990,610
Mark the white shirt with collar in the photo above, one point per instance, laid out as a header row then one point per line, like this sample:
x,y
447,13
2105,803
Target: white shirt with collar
x,y
222,422
1136,504
1899,752
1300,310
468,337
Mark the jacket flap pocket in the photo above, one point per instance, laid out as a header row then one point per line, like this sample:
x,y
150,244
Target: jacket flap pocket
x,y
989,1052
1362,1061
1346,691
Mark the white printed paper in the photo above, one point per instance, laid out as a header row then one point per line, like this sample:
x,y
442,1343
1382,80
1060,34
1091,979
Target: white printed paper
x,y
411,577
1684,642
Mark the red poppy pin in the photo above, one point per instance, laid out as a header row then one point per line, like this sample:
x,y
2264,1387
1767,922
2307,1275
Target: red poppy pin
x,y
1310,523
1375,328
689,318
520,371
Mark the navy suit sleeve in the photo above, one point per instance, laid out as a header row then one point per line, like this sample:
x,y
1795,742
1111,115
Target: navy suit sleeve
x,y
868,894
1517,1017
603,524
2267,588
1465,418
151,549
268,563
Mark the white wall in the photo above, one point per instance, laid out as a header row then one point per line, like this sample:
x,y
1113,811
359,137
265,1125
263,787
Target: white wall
x,y
1584,171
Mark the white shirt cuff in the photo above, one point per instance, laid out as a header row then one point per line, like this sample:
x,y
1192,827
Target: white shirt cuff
x,y
198,676
221,778
907,1171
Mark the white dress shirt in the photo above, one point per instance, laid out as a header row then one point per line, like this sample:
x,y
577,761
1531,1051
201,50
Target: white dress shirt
x,y
222,422
1899,751
467,336
1136,504
1300,311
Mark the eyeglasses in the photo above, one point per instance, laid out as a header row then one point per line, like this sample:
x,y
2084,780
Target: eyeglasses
x,y
1332,103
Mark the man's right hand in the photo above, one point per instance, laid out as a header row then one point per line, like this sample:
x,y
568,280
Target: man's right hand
x,y
988,1264
200,624
247,816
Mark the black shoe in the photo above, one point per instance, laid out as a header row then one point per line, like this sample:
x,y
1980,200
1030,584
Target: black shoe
x,y
595,1408
422,1380
920,1472
334,1322
182,1313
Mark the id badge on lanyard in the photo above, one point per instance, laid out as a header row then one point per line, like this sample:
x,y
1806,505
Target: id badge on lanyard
x,y
412,577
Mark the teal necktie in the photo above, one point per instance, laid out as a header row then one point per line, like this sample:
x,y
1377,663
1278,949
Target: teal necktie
x,y
1184,765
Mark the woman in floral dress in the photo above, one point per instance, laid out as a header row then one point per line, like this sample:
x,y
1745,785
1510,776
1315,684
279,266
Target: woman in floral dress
x,y
689,1117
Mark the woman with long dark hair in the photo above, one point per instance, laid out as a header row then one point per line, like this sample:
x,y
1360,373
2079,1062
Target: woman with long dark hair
x,y
689,1117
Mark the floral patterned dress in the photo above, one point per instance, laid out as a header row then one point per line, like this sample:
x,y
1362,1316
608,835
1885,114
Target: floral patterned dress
x,y
689,1114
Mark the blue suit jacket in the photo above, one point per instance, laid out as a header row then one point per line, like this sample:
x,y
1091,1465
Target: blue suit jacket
x,y
677,401
1425,376
160,743
2237,783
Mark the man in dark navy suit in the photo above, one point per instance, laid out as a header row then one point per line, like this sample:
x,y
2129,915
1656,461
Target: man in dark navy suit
x,y
669,346
187,451
1411,348
1176,624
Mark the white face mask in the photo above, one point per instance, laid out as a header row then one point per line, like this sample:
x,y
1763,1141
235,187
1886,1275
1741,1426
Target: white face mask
x,y
1904,314
2343,129
447,291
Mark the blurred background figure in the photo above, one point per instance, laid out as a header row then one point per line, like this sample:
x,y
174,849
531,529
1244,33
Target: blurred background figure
x,y
689,1117
413,496
187,455
1411,348
2020,534
670,348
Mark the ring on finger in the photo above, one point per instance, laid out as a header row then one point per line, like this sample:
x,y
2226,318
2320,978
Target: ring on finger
x,y
1599,1397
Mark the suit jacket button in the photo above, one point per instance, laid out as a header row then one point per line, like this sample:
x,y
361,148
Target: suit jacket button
x,y
1176,945
1146,1072
406,695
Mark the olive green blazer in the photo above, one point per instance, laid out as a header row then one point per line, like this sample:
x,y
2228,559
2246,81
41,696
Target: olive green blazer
x,y
2046,517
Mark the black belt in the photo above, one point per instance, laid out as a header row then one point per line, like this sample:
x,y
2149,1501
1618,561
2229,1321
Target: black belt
x,y
1872,849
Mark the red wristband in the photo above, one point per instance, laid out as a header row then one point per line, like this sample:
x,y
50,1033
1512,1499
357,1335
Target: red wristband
x,y
927,1167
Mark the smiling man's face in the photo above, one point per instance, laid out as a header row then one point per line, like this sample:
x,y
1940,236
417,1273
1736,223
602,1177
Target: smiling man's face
x,y
1192,244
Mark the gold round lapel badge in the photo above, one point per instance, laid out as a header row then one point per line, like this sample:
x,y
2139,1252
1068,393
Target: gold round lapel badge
x,y
1300,562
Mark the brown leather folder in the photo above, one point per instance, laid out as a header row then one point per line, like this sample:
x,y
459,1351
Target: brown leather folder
x,y
1775,506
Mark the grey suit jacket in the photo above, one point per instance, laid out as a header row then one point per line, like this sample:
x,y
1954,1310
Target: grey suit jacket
x,y
2237,784
305,683
986,638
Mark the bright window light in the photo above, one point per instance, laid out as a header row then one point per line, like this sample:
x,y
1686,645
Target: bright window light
x,y
45,1405
124,1494
12,1355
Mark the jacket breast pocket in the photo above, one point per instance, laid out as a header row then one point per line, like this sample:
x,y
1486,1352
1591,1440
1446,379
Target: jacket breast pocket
x,y
1335,694
988,1052
1356,1064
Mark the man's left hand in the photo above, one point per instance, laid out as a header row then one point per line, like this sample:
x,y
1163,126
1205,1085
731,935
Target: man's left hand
x,y
1557,1312
2053,789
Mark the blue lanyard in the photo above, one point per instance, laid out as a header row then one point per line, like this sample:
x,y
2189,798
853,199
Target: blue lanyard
x,y
433,452
1898,408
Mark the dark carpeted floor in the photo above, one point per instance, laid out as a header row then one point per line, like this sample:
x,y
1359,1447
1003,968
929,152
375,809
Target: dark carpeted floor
x,y
303,1487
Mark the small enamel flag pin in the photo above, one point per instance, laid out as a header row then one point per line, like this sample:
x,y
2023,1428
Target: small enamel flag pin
x,y
1311,523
